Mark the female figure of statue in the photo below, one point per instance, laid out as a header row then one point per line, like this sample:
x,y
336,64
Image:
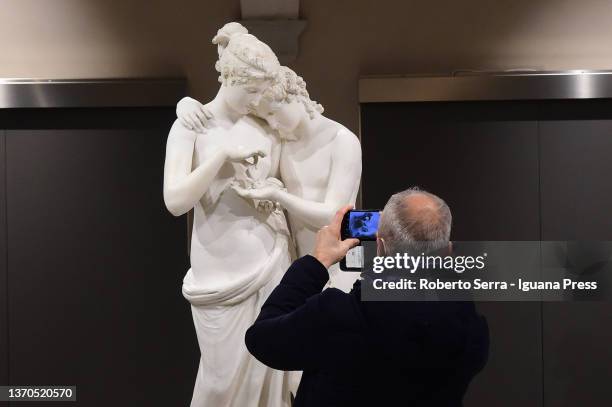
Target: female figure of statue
x,y
240,246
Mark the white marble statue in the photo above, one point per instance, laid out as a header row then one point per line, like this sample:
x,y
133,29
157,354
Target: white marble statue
x,y
240,246
320,161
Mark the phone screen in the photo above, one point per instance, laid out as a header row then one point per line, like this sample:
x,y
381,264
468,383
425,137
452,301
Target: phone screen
x,y
362,224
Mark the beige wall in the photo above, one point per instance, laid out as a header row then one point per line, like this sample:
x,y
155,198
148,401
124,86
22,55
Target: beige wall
x,y
343,40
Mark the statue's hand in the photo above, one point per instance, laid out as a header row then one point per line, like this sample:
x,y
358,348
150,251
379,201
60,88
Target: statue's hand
x,y
267,190
247,155
193,115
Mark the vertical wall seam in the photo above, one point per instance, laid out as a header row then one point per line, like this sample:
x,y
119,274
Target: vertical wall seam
x,y
359,198
5,231
542,359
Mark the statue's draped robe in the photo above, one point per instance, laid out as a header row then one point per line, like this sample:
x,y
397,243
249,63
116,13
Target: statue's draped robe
x,y
238,256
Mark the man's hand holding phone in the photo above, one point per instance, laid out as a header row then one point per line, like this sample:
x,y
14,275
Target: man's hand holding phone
x,y
329,246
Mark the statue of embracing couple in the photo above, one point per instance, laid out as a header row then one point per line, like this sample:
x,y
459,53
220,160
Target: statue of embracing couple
x,y
260,150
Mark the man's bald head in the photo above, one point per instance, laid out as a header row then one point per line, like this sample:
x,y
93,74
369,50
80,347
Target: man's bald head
x,y
415,221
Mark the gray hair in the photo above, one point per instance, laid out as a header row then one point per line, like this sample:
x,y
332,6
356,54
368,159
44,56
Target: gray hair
x,y
415,229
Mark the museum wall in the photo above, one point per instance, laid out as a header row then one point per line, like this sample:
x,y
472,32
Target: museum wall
x,y
136,38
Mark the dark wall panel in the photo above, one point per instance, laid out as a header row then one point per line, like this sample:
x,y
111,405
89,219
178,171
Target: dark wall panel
x,y
482,158
96,268
576,203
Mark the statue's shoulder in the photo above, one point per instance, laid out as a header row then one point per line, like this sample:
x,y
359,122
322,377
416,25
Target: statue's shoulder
x,y
345,137
346,145
180,133
338,130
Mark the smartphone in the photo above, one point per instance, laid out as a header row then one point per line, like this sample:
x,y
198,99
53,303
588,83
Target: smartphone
x,y
362,225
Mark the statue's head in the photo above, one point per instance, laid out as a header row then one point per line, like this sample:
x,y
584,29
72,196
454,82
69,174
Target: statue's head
x,y
287,102
246,65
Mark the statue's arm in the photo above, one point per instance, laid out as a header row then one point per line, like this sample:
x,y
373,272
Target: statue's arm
x,y
346,171
184,187
342,187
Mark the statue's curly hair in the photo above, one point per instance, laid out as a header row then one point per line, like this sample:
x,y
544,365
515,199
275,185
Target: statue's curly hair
x,y
289,87
242,57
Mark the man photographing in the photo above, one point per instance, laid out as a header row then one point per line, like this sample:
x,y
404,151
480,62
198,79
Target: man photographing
x,y
357,353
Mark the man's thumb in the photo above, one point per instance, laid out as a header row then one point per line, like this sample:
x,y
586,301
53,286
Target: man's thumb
x,y
350,243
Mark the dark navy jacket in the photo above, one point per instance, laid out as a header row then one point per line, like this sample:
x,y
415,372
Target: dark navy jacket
x,y
356,353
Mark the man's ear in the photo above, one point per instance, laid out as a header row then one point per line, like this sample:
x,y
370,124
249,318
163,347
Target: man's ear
x,y
380,246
